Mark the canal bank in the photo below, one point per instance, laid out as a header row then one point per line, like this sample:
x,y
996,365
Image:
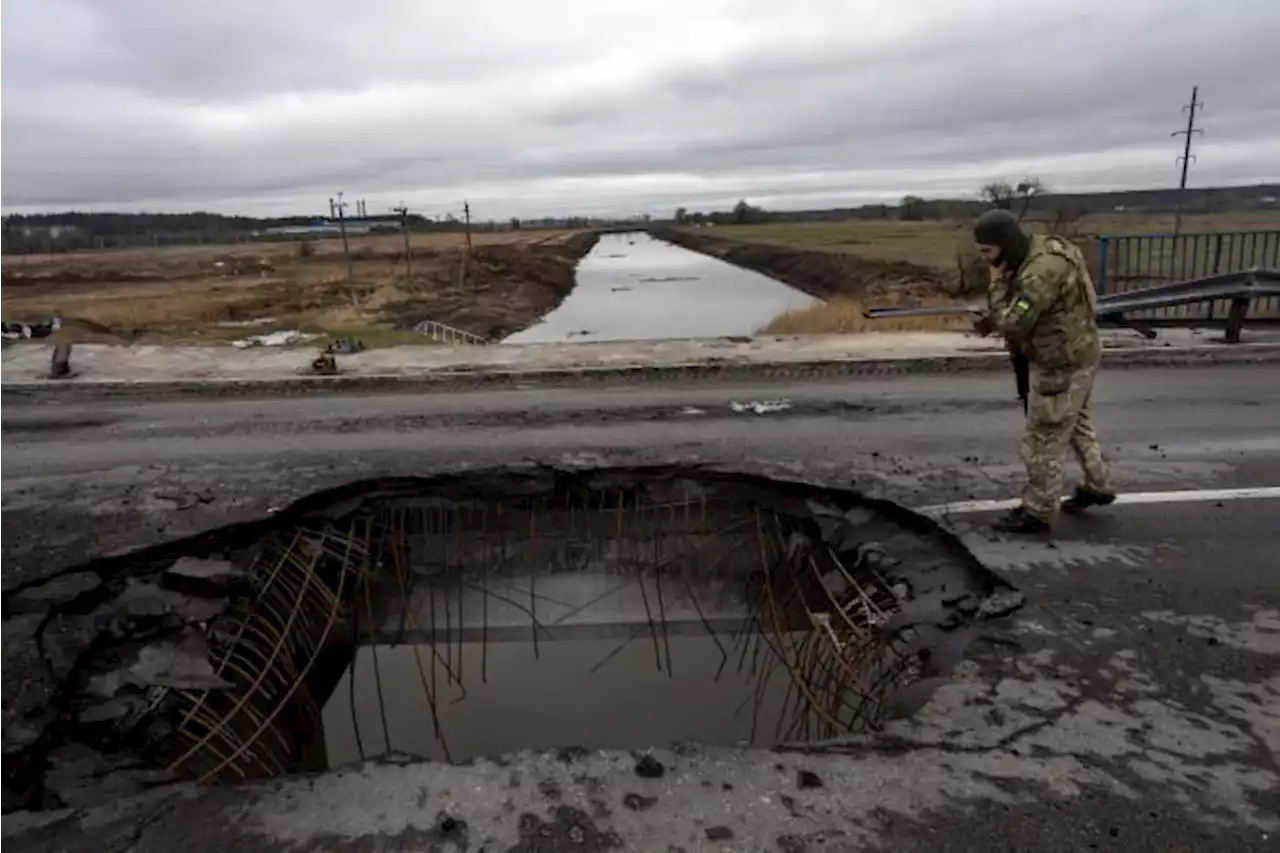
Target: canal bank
x,y
639,287
821,274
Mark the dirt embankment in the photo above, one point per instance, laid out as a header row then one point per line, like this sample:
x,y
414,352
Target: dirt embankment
x,y
824,275
505,283
505,288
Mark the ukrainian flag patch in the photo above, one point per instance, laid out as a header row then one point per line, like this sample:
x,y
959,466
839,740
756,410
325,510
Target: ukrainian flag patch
x,y
1022,305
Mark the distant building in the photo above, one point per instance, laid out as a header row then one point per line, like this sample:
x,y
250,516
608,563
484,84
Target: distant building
x,y
330,228
53,232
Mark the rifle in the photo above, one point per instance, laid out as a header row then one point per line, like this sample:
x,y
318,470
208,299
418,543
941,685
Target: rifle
x,y
1021,376
1021,364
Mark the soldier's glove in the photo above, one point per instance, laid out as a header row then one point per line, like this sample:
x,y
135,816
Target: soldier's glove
x,y
984,325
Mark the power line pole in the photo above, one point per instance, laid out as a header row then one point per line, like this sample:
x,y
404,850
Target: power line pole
x,y
466,255
340,206
1187,157
408,253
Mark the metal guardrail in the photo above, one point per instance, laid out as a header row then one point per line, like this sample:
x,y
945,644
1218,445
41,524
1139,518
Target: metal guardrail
x,y
446,334
1133,262
1238,290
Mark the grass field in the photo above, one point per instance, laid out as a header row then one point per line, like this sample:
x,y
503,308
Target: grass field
x,y
208,293
935,243
942,245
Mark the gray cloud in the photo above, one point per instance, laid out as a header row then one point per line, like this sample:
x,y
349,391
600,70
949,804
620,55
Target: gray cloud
x,y
618,107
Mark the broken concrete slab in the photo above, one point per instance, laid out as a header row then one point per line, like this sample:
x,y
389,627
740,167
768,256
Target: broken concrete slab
x,y
134,655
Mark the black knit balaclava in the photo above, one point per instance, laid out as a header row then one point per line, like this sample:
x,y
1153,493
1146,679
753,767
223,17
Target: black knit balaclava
x,y
1000,228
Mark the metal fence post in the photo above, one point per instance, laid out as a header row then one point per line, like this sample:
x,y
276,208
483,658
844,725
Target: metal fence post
x,y
1100,285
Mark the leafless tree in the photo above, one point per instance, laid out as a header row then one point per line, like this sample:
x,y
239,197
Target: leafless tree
x,y
998,193
1027,189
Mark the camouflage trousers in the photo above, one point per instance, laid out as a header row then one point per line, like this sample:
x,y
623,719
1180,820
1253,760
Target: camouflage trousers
x,y
1059,417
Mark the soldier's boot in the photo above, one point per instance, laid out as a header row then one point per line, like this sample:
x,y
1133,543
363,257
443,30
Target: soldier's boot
x,y
1085,497
1019,520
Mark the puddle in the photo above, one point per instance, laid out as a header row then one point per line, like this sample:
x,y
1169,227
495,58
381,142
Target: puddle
x,y
596,693
654,289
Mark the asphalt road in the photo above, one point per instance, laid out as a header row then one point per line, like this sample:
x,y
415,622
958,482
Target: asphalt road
x,y
1134,705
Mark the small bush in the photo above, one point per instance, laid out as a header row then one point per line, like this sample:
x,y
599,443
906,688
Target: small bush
x,y
306,249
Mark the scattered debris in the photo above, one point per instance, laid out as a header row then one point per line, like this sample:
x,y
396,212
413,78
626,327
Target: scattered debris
x,y
580,333
344,346
649,767
448,824
761,407
719,833
638,803
692,410
615,256
445,333
274,339
246,324
620,289
19,331
667,278
324,364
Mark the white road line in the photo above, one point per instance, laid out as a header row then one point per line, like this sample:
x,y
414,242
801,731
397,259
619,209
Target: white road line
x,y
1189,496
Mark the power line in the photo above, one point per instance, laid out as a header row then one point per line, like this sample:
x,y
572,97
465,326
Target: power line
x,y
1187,157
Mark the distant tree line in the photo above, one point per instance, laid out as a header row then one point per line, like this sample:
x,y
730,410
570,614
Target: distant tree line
x,y
1026,195
76,230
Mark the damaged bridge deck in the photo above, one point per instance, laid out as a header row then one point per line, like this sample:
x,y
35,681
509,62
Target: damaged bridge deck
x,y
1131,704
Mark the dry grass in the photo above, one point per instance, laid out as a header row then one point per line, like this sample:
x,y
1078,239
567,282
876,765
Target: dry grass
x,y
181,294
943,245
843,315
181,257
935,243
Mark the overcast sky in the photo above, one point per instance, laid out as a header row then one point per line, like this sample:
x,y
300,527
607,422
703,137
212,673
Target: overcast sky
x,y
595,106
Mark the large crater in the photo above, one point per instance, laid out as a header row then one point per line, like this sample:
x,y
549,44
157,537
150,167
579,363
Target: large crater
x,y
482,613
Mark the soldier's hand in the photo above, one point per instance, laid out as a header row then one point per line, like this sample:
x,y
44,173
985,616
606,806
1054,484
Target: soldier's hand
x,y
984,325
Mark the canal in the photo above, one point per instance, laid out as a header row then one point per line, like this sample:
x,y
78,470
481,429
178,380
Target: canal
x,y
634,287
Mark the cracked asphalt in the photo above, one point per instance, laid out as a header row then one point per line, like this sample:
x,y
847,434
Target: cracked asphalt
x,y
1134,704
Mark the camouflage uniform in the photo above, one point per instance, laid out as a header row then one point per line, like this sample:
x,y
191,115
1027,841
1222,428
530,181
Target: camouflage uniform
x,y
1047,308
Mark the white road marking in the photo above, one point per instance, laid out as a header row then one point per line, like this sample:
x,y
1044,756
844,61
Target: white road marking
x,y
1189,496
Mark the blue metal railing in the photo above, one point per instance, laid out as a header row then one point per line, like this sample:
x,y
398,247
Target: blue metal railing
x,y
1131,262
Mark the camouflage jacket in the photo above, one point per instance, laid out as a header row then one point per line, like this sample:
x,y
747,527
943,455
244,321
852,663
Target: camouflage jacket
x,y
1047,307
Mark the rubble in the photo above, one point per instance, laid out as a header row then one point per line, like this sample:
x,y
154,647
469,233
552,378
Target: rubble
x,y
194,658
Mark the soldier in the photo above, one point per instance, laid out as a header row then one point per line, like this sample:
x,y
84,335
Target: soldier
x,y
1042,302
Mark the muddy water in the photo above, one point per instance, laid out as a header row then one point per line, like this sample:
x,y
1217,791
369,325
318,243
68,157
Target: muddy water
x,y
631,286
621,662
597,693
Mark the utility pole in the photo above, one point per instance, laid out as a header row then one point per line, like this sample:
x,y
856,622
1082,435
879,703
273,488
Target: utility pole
x,y
466,256
340,206
1187,157
408,253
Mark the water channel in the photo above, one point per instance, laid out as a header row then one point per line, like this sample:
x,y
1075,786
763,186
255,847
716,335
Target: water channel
x,y
634,287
